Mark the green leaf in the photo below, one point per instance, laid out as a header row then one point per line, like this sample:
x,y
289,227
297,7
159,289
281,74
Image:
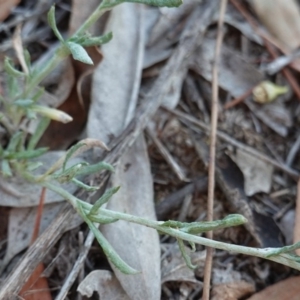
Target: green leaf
x,y
70,152
91,169
109,251
160,3
185,256
103,199
102,219
24,102
52,113
68,174
40,129
84,186
52,23
79,53
12,70
96,41
31,166
28,153
14,141
5,167
27,59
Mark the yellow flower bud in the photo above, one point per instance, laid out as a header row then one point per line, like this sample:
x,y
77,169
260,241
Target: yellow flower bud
x,y
52,113
267,91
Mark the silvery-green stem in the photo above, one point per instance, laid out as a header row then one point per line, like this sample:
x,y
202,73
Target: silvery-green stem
x,y
266,253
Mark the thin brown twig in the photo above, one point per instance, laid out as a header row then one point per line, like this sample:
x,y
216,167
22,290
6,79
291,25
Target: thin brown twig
x,y
239,99
297,217
225,137
268,41
212,152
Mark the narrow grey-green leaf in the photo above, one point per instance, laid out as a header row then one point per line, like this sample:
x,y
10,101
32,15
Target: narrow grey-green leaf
x,y
111,254
185,256
40,129
5,168
103,199
14,141
29,153
84,186
102,219
23,102
70,152
159,3
79,53
95,41
52,23
11,70
91,169
68,174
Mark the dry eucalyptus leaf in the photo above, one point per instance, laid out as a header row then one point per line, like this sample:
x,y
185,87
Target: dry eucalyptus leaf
x,y
282,19
115,89
236,75
288,289
104,283
257,173
21,225
6,7
137,245
17,192
233,290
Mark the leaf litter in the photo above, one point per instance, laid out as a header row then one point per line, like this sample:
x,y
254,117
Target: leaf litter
x,y
148,176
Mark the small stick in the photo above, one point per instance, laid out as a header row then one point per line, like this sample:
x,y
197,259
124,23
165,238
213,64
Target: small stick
x,y
225,137
239,99
212,152
297,218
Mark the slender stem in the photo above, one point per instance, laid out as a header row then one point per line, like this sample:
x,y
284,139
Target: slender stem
x,y
92,19
263,253
45,71
212,150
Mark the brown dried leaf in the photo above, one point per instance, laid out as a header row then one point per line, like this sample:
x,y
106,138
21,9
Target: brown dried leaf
x,y
282,19
5,8
288,289
233,290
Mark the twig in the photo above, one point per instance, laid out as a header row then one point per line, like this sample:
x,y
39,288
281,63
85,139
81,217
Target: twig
x,y
77,267
167,156
293,173
174,200
212,150
280,62
293,151
238,100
